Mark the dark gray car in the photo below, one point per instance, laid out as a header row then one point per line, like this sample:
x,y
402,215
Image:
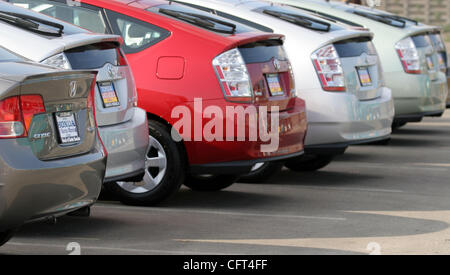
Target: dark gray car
x,y
52,160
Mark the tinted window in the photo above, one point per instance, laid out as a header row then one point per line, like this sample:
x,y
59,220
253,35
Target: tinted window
x,y
219,28
421,41
263,51
355,47
7,56
93,56
137,35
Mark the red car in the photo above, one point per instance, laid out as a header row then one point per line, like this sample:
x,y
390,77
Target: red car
x,y
194,72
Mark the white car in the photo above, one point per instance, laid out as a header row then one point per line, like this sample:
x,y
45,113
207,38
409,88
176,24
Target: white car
x,y
123,127
337,72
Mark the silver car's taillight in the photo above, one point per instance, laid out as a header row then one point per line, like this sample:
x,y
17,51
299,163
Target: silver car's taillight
x,y
409,56
59,61
233,76
439,45
329,68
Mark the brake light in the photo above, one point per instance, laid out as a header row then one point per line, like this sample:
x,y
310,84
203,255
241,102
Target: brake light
x,y
233,76
329,69
409,56
16,114
441,62
121,59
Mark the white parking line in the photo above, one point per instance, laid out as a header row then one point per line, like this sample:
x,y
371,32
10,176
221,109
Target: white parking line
x,y
403,166
116,249
352,189
193,211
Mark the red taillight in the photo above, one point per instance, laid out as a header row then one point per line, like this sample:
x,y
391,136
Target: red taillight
x,y
409,56
121,59
16,114
31,105
329,69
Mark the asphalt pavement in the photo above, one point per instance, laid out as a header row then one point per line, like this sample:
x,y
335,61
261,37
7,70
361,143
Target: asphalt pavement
x,y
375,199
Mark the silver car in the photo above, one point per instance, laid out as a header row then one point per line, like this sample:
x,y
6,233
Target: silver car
x,y
52,161
123,126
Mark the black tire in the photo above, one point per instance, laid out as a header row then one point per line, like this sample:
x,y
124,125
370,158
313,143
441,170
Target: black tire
x,y
173,177
6,236
210,183
397,125
309,163
263,174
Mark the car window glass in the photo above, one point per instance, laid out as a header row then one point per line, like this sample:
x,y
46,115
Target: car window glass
x,y
78,15
137,35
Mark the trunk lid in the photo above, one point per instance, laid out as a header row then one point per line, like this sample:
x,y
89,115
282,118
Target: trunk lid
x,y
361,66
270,73
64,95
115,92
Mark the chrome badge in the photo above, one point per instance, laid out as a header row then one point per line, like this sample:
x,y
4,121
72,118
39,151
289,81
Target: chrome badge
x,y
277,64
73,89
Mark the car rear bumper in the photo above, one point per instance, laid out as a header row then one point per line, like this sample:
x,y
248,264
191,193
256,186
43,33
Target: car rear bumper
x,y
126,144
416,94
290,137
341,118
31,189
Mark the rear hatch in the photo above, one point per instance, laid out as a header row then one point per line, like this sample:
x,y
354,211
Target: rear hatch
x,y
115,90
361,67
54,110
270,73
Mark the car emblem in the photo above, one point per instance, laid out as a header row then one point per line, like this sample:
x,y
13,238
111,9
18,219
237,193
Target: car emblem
x,y
111,71
73,89
277,64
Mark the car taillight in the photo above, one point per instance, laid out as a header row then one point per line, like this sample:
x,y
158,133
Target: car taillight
x,y
442,63
292,81
16,114
233,76
329,68
409,56
121,59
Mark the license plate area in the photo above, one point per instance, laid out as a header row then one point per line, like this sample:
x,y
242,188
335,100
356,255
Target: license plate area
x,y
108,94
67,128
364,77
273,81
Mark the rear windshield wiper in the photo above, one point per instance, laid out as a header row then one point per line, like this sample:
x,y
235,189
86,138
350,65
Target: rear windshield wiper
x,y
399,18
31,23
300,20
201,20
381,18
329,17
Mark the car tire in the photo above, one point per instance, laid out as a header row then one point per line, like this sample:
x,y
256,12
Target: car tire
x,y
165,171
262,173
397,125
309,163
6,236
210,183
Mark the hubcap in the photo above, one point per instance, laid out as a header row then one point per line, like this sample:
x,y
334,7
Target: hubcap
x,y
155,170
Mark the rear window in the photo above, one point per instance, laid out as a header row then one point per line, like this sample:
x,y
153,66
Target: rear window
x,y
263,51
355,47
93,56
6,56
421,40
201,19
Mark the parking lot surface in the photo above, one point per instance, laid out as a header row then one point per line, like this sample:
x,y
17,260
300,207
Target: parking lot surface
x,y
375,199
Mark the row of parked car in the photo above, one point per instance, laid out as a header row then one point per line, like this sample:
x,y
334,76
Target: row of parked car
x,y
91,90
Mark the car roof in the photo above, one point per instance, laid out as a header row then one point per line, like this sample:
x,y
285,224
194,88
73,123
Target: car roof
x,y
245,10
24,42
138,9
